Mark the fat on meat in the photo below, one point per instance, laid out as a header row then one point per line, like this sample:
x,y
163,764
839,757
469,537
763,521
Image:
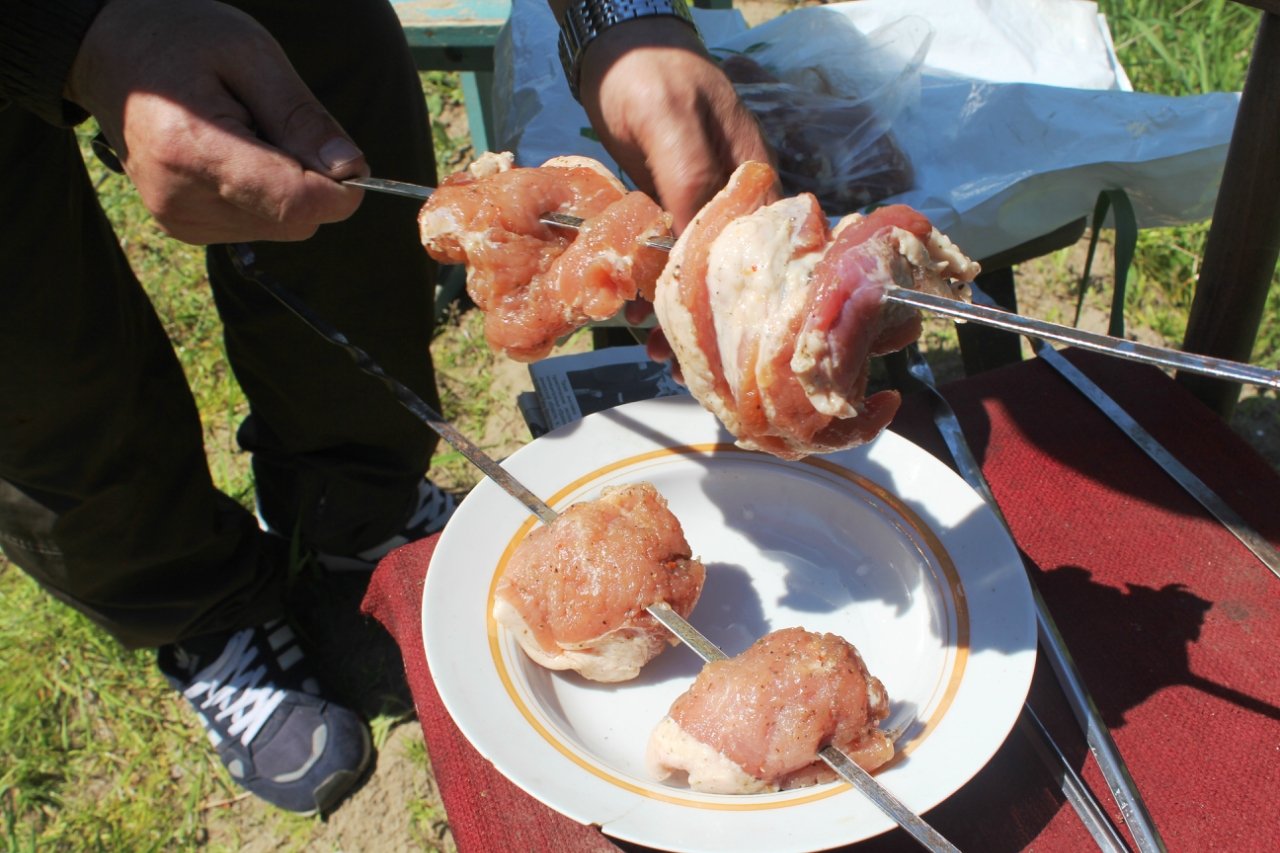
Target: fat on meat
x,y
536,283
774,316
574,593
754,723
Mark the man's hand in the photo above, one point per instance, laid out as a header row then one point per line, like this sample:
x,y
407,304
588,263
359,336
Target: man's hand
x,y
666,113
671,119
219,134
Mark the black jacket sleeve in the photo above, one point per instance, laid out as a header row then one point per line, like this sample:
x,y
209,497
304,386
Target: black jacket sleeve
x,y
39,40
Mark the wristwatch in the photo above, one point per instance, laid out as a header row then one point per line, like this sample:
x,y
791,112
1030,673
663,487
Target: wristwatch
x,y
584,20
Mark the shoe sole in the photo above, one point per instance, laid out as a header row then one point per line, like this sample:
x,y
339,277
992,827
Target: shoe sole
x,y
331,791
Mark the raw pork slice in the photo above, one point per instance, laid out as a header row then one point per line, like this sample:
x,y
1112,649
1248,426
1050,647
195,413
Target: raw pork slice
x,y
773,316
574,593
754,723
536,283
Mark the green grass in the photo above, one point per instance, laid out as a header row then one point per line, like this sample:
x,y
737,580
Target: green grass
x,y
1182,48
92,741
95,752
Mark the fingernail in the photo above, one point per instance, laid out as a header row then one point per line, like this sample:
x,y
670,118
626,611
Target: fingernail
x,y
338,152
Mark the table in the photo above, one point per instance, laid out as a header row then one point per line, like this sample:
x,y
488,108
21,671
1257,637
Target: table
x,y
1172,623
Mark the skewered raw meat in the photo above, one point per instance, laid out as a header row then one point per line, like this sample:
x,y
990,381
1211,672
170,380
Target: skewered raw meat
x,y
537,283
773,316
574,593
754,723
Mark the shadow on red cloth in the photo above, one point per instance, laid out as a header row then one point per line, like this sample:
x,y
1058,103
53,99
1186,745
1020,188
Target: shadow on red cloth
x,y
1162,657
1087,450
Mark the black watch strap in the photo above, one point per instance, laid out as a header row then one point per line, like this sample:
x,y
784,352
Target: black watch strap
x,y
584,20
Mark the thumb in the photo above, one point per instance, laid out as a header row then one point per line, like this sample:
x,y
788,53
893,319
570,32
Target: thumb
x,y
291,118
311,135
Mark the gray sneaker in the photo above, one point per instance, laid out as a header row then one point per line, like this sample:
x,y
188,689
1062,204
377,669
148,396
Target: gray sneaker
x,y
262,707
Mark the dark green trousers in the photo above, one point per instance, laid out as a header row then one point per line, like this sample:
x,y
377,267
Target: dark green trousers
x,y
105,494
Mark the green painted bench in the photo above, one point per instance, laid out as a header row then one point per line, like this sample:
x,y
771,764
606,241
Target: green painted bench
x,y
458,35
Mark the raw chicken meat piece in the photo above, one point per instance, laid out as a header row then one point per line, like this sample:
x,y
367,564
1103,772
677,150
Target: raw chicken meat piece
x,y
536,283
574,593
773,315
754,723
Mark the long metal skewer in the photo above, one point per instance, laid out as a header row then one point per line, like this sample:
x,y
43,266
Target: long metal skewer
x,y
1073,787
242,256
1170,359
1218,368
1114,769
1207,497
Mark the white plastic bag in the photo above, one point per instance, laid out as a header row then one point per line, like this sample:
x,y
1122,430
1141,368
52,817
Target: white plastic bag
x,y
1023,116
829,119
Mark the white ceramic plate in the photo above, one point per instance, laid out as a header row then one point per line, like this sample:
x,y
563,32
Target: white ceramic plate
x,y
883,545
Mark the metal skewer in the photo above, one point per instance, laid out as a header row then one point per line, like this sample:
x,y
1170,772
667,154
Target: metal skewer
x,y
383,185
242,256
1169,359
1087,807
1132,807
1197,488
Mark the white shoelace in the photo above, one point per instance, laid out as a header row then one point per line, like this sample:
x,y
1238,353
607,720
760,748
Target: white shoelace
x,y
228,688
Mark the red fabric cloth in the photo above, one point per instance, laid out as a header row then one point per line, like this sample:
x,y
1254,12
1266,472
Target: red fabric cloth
x,y
1172,622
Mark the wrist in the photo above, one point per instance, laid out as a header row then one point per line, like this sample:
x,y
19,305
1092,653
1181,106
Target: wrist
x,y
38,44
585,22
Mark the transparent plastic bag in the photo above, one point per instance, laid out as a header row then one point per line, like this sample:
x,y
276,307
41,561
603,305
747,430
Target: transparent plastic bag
x,y
826,97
